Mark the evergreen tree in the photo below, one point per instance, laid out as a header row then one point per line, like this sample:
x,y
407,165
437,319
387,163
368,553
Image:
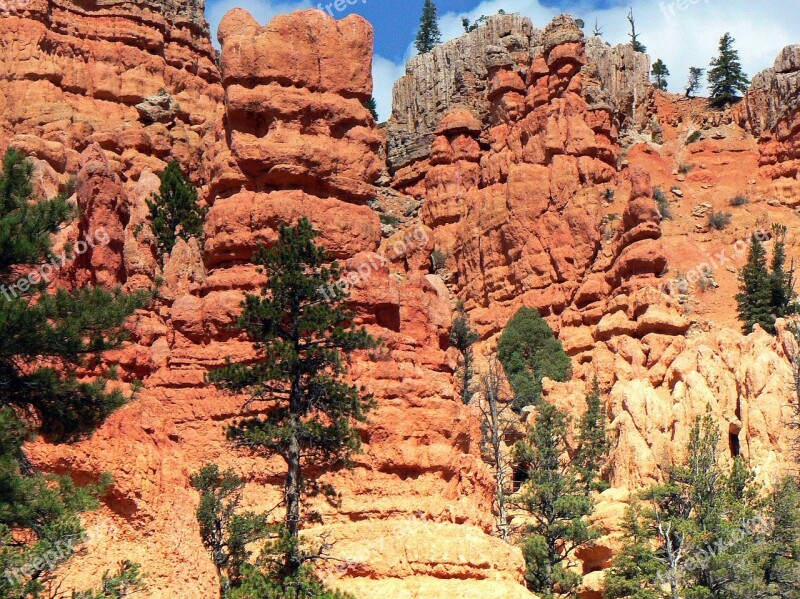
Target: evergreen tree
x,y
45,337
635,570
593,442
470,27
463,337
781,558
554,496
709,534
372,106
310,413
174,211
225,532
660,72
726,76
784,297
529,351
428,35
695,81
637,45
124,583
755,290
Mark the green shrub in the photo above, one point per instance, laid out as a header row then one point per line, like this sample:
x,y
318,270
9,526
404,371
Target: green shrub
x,y
388,219
706,282
719,220
438,260
529,351
696,136
372,106
174,210
685,168
662,201
740,200
609,228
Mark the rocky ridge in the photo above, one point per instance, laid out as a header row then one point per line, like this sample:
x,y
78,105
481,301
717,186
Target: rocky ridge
x,y
458,73
771,110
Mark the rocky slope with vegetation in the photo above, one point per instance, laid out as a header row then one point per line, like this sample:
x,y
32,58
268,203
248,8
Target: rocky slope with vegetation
x,y
531,171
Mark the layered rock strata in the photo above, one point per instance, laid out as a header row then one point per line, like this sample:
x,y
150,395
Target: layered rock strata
x,y
459,73
506,157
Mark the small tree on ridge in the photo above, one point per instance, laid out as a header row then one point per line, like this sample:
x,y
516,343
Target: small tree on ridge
x,y
726,77
428,35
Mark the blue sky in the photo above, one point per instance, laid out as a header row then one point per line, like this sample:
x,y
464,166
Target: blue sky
x,y
683,33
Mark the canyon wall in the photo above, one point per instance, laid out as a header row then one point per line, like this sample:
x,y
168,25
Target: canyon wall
x,y
771,110
510,161
284,134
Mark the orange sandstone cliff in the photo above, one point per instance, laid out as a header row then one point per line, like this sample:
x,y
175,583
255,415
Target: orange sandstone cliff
x,y
525,158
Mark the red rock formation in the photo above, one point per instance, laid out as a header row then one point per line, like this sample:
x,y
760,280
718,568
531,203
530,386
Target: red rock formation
x,y
518,172
521,218
771,110
296,140
73,73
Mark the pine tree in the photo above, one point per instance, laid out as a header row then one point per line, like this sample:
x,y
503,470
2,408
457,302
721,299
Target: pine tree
x,y
174,211
755,291
125,582
372,106
226,533
304,337
695,81
593,442
637,45
428,35
463,337
709,534
784,297
781,556
635,571
46,337
554,497
529,351
726,76
660,72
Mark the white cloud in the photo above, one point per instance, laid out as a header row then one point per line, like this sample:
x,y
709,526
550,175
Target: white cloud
x,y
690,37
384,74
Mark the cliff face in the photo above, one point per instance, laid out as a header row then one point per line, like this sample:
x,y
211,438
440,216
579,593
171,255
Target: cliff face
x,y
289,137
510,153
462,72
771,110
73,73
519,200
